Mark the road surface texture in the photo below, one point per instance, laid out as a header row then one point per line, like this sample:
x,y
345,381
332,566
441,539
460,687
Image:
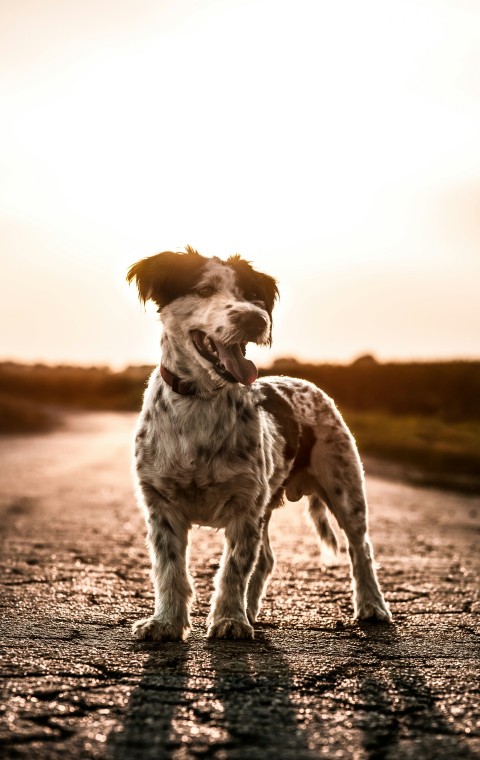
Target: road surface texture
x,y
313,684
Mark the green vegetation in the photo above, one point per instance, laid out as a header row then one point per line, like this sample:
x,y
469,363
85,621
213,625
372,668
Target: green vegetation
x,y
74,387
425,414
440,453
20,416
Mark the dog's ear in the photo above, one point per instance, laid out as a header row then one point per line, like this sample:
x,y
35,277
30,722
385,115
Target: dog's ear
x,y
270,289
252,282
166,276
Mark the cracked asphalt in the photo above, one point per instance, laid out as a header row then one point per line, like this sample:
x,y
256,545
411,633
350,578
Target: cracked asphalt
x,y
313,684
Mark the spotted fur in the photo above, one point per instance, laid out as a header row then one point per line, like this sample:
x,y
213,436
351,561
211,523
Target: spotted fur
x,y
227,454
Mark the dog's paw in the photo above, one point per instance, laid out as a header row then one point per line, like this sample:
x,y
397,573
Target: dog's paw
x,y
229,628
374,612
151,629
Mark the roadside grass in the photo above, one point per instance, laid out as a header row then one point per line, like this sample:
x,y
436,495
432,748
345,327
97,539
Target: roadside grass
x,y
20,416
447,453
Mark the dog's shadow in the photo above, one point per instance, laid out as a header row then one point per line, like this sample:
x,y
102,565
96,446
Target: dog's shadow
x,y
243,700
398,706
222,698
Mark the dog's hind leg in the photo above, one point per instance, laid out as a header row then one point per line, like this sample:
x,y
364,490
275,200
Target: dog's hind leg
x,y
259,578
341,485
369,604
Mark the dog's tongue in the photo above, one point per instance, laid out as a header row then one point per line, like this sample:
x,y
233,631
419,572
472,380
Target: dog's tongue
x,y
234,361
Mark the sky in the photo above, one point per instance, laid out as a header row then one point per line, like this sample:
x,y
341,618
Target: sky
x,y
334,145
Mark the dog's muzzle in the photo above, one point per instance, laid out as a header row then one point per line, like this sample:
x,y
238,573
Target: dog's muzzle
x,y
250,324
228,361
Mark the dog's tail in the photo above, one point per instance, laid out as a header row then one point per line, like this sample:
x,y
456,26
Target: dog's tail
x,y
319,517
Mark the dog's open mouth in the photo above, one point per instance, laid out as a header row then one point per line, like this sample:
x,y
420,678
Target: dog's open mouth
x,y
228,361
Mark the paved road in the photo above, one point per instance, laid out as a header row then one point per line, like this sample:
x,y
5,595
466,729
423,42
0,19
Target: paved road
x,y
311,685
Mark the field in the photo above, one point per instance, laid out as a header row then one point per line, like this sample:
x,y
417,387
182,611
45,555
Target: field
x,y
424,417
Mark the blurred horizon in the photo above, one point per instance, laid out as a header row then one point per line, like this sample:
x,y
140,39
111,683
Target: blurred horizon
x,y
333,145
277,363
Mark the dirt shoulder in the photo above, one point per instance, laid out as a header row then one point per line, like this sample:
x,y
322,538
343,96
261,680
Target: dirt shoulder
x,y
313,684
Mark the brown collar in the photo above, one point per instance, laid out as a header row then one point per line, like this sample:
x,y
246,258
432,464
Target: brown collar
x,y
183,387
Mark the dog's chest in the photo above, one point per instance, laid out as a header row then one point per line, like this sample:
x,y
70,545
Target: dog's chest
x,y
201,449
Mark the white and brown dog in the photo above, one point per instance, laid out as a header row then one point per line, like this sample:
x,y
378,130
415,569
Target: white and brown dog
x,y
215,446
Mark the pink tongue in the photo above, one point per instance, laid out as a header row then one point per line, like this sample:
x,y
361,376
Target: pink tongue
x,y
234,361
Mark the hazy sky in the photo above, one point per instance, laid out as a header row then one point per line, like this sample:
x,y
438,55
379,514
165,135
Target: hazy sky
x,y
334,144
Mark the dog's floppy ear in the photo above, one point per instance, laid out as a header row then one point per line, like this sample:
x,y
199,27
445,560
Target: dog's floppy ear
x,y
270,292
166,276
270,289
252,282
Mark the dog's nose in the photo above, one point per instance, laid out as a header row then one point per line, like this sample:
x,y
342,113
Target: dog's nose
x,y
251,323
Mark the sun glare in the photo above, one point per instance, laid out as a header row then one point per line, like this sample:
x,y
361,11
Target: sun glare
x,y
302,136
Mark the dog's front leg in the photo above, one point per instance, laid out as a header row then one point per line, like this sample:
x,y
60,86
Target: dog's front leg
x,y
167,538
228,618
259,578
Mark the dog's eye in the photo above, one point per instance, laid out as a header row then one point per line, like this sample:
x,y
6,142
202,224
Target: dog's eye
x,y
206,291
255,298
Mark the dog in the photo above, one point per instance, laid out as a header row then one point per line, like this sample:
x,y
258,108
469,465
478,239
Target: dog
x,y
217,446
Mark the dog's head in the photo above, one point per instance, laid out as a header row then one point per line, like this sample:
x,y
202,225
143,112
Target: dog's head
x,y
212,308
